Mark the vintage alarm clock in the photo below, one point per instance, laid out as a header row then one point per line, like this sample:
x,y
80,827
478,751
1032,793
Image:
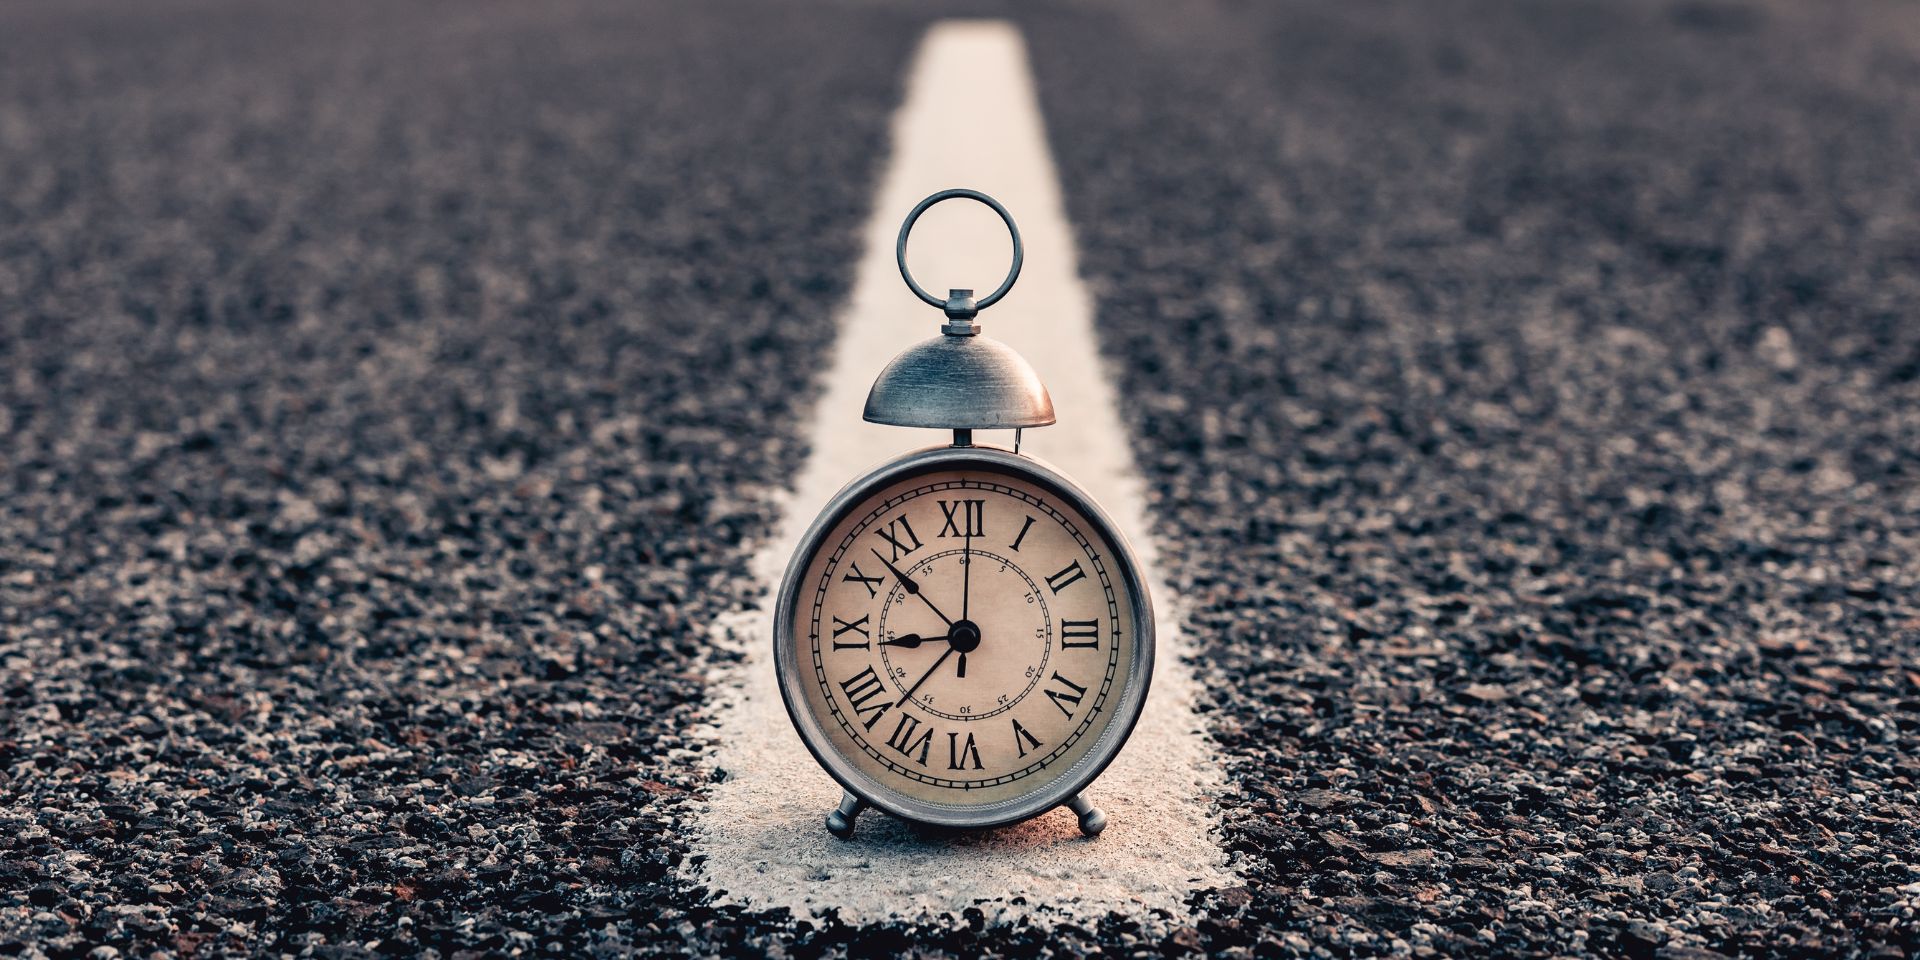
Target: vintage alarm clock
x,y
963,638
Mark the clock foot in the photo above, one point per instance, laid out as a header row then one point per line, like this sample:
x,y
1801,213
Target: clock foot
x,y
1092,821
840,821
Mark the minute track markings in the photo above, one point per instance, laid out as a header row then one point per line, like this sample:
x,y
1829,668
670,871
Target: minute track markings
x,y
834,562
897,604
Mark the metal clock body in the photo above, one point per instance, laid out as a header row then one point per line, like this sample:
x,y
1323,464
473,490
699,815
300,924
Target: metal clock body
x,y
963,637
1053,613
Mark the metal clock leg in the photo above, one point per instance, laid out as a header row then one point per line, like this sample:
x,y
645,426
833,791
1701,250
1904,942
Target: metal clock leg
x,y
840,821
1092,821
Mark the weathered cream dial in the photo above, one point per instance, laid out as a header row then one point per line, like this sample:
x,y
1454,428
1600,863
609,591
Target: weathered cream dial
x,y
966,634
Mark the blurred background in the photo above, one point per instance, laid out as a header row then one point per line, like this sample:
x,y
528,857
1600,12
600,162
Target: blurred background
x,y
391,394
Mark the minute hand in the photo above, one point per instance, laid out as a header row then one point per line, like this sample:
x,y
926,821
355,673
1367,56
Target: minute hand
x,y
911,586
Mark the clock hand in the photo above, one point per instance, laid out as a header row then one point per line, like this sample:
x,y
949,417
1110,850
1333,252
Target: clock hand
x,y
912,586
966,589
923,677
966,586
912,640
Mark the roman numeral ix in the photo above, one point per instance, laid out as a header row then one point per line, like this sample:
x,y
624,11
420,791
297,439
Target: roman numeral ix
x,y
841,626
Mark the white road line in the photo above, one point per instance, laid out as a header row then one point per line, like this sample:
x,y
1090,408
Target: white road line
x,y
970,120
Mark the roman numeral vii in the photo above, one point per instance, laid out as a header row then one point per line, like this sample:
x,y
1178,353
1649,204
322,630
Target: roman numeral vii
x,y
904,741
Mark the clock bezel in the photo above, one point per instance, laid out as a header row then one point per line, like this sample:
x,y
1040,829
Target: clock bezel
x,y
1127,703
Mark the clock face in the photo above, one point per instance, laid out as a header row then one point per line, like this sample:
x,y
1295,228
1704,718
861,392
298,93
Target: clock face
x,y
963,637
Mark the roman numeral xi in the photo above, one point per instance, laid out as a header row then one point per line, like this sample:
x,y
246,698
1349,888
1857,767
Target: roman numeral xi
x,y
899,533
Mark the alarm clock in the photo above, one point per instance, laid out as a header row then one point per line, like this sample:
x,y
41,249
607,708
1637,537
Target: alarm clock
x,y
963,637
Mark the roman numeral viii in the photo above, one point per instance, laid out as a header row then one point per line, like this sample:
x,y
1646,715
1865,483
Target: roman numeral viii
x,y
841,626
900,534
1067,577
862,689
965,518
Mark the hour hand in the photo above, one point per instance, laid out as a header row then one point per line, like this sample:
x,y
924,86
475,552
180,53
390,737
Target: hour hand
x,y
910,641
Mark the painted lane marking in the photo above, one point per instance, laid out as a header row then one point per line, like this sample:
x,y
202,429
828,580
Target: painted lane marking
x,y
970,119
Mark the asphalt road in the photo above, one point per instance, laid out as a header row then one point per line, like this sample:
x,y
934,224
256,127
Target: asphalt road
x,y
390,396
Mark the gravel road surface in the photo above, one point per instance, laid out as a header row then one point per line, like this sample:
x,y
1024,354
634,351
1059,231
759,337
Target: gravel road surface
x,y
390,396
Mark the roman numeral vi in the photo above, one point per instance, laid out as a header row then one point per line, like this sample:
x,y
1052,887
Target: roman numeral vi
x,y
957,755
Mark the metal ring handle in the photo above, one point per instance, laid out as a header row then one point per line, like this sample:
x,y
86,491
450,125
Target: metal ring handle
x,y
900,249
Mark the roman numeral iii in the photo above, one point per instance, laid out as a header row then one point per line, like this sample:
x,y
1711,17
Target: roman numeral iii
x,y
965,518
862,689
1079,634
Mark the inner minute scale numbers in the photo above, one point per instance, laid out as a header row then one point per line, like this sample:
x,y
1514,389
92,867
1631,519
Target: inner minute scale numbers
x,y
966,635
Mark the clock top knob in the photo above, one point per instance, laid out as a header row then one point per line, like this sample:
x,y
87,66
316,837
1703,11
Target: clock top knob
x,y
960,380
